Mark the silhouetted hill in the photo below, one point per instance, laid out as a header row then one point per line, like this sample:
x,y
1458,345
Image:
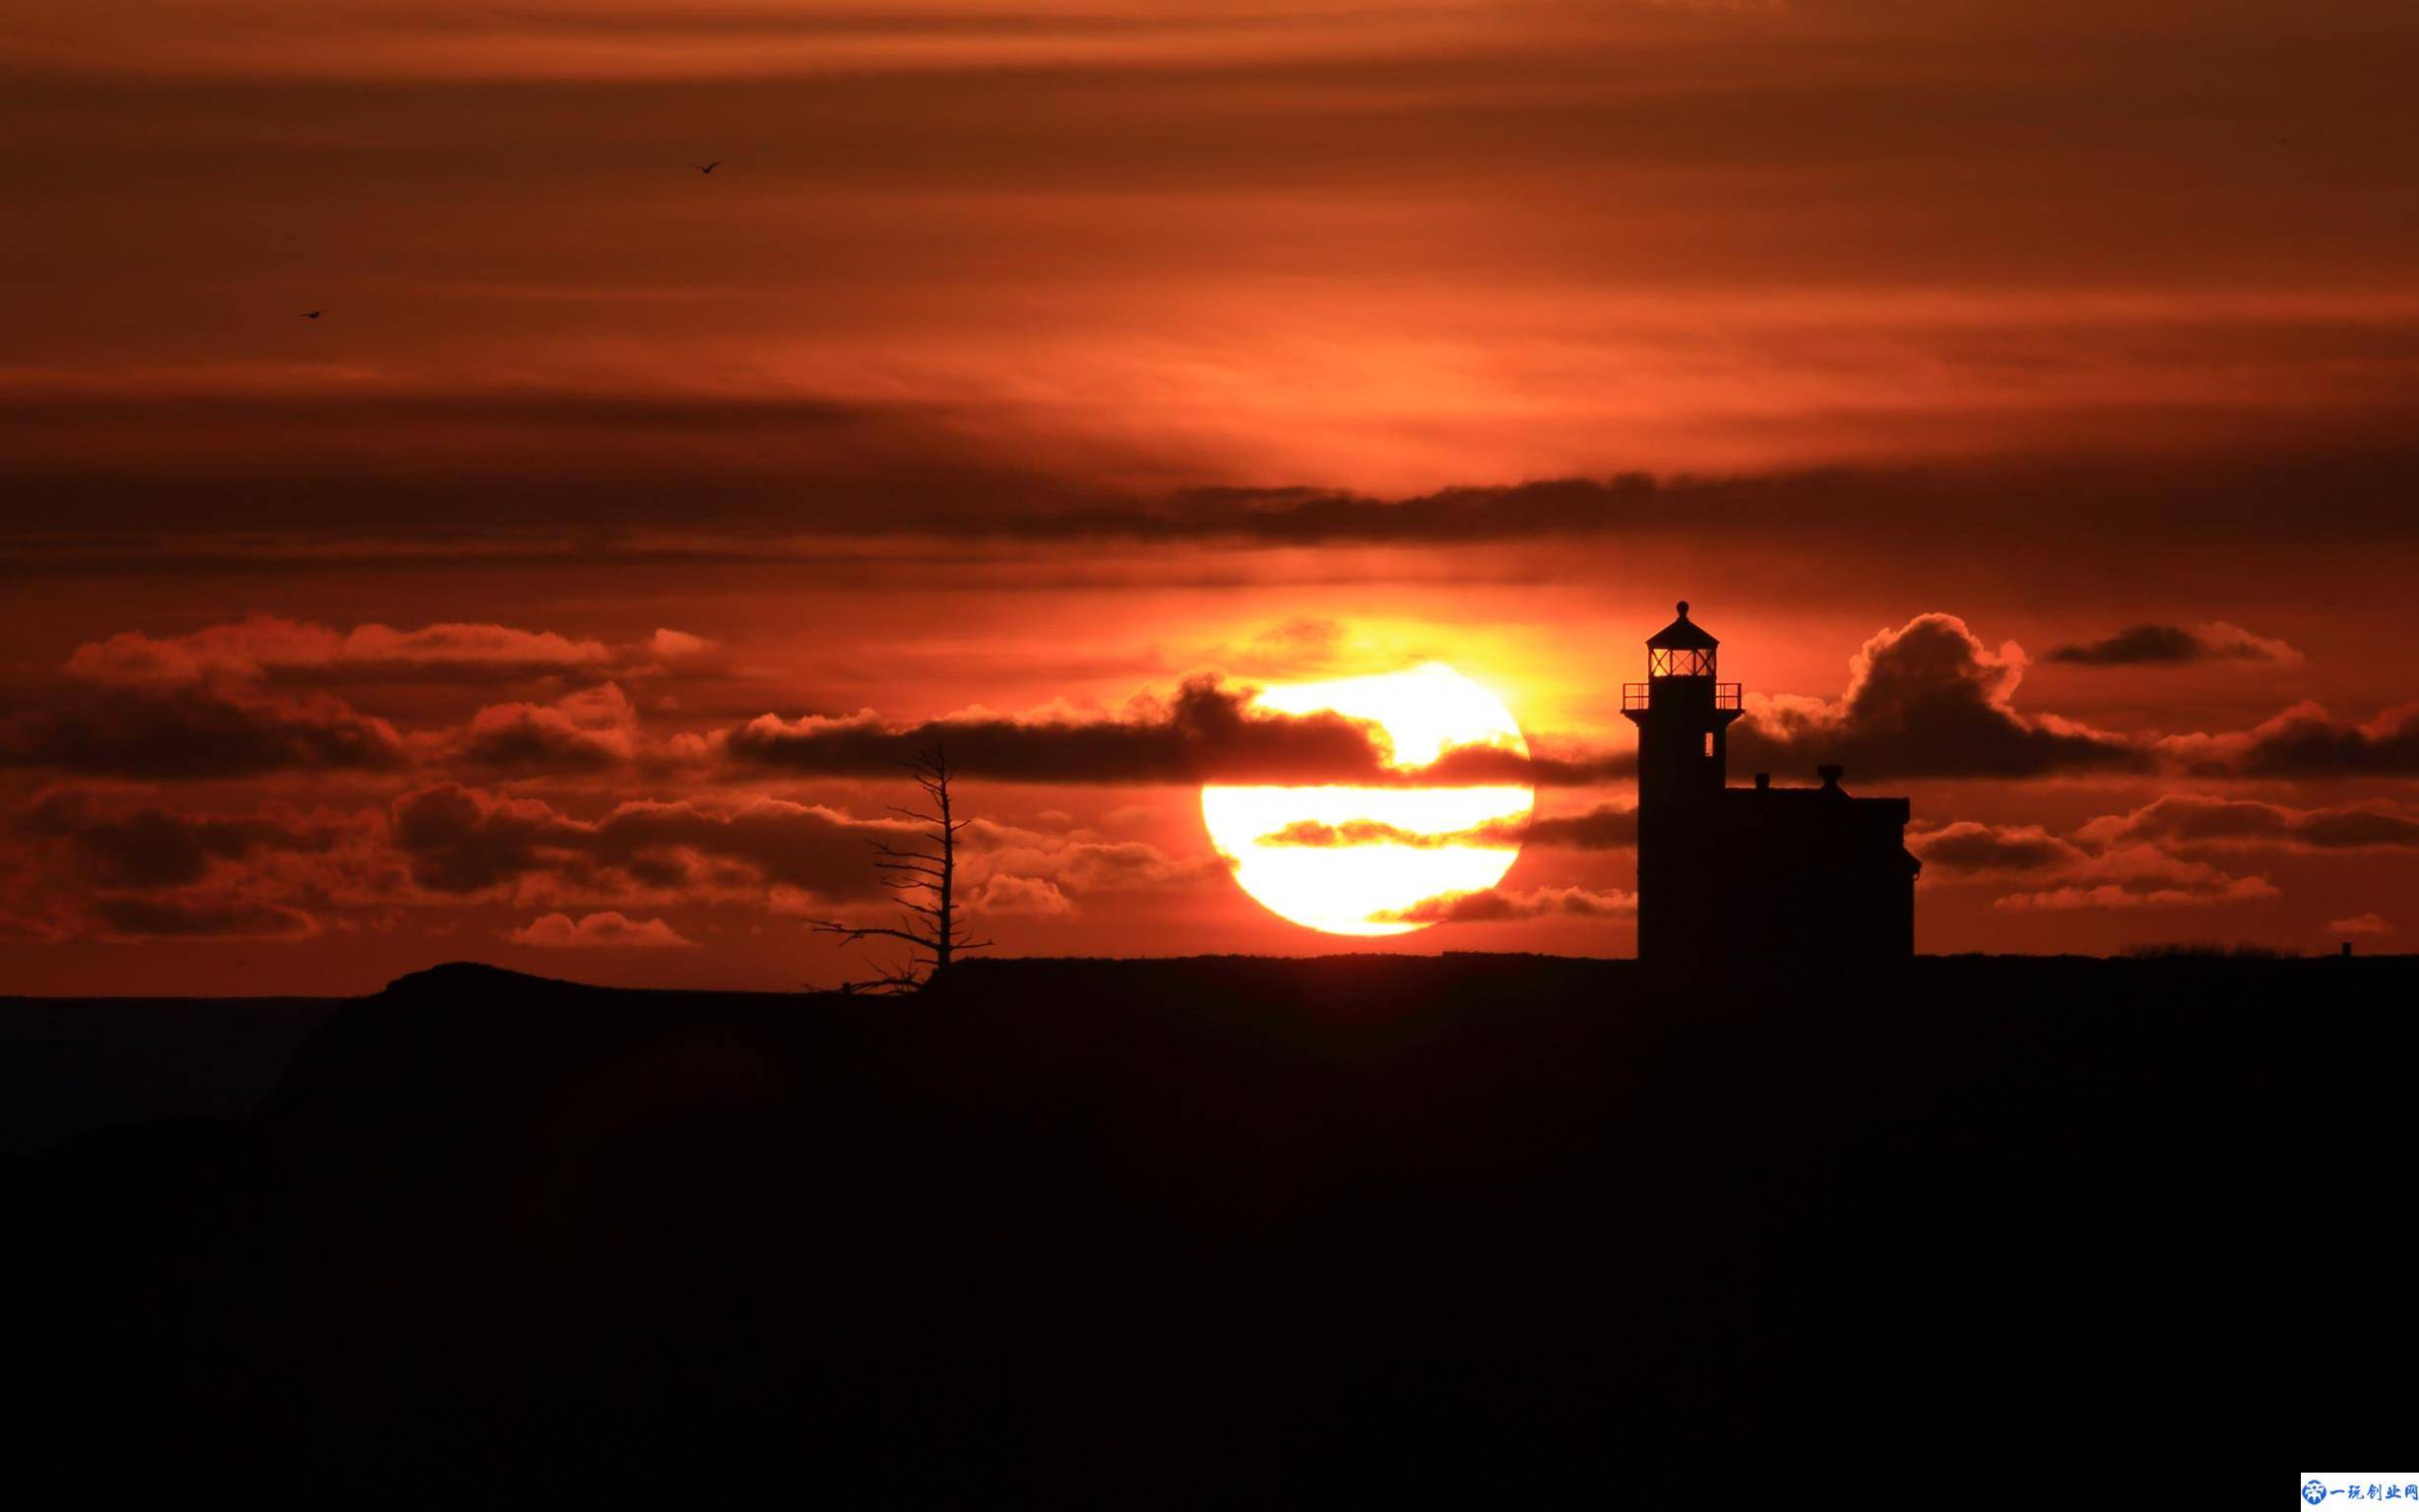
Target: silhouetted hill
x,y
1224,1228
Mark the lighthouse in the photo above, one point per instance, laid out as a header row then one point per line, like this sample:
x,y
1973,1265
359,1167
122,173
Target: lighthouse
x,y
1760,878
1683,715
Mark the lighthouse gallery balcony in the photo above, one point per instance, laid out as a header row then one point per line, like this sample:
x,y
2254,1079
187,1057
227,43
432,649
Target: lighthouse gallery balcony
x,y
1641,695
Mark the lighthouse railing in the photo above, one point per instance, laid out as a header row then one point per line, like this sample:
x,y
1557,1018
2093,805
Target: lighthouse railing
x,y
1640,695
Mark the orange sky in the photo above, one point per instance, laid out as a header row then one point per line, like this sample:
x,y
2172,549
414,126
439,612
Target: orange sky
x,y
1029,359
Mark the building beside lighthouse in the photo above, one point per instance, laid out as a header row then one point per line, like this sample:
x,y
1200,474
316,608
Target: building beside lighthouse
x,y
1763,877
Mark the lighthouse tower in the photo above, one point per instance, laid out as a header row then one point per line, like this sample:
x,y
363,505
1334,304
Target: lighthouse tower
x,y
1683,717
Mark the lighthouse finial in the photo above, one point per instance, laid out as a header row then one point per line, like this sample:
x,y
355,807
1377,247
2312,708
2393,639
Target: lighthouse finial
x,y
1684,608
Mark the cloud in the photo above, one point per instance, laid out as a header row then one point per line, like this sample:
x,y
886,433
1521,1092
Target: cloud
x,y
1207,731
196,731
1605,827
205,705
464,841
94,861
103,863
1301,516
556,931
2102,865
557,477
1926,700
1553,762
1314,834
266,649
2359,923
669,648
589,39
1904,505
1034,895
1491,906
2175,646
151,848
1078,863
2197,819
586,730
2141,877
1969,848
461,840
2305,741
151,919
16,925
1297,648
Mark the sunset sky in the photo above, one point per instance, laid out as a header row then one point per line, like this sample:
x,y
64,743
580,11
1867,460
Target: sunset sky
x,y
2025,395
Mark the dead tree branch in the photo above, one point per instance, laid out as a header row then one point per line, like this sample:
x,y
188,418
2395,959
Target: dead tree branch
x,y
923,880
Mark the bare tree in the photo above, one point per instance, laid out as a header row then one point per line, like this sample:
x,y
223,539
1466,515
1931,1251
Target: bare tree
x,y
923,877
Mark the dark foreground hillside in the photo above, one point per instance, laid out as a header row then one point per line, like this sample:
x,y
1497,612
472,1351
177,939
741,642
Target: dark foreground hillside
x,y
71,1065
1230,1228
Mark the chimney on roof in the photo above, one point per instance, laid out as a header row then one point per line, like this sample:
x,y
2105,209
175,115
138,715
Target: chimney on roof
x,y
1764,781
1830,777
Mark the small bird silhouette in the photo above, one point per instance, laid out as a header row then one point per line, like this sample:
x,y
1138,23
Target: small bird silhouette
x,y
312,314
707,167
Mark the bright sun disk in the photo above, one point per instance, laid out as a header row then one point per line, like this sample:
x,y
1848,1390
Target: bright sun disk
x,y
1358,888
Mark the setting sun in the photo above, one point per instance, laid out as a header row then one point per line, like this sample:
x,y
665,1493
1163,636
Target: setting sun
x,y
1362,860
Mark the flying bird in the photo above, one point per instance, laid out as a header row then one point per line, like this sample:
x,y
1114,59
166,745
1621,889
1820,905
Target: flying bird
x,y
707,167
312,314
